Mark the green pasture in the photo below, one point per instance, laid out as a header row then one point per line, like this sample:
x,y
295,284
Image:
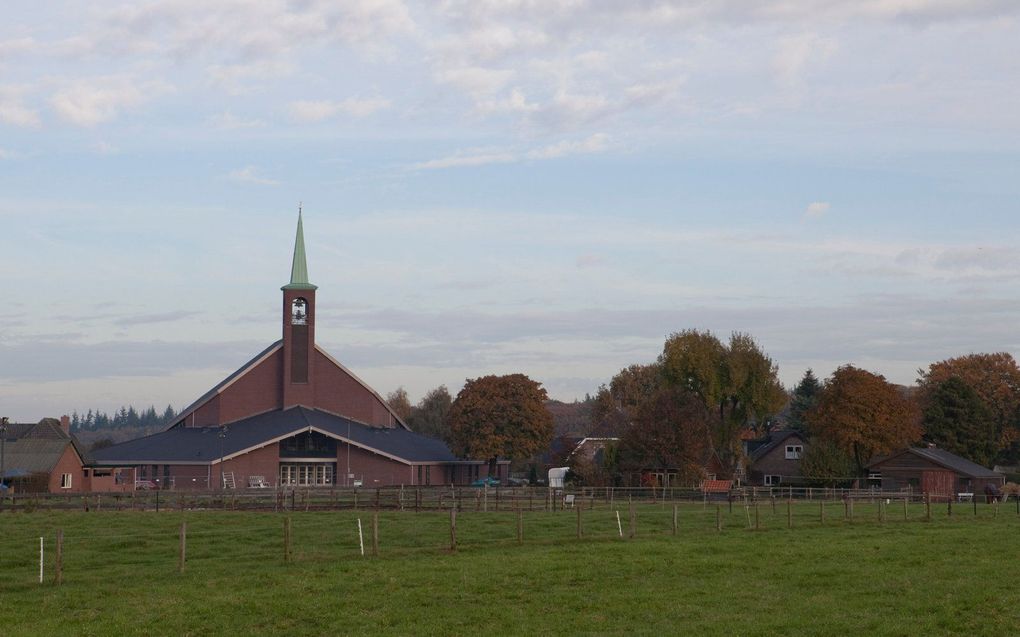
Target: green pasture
x,y
886,572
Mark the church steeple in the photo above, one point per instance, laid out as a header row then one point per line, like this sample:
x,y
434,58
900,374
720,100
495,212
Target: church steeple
x,y
299,268
298,329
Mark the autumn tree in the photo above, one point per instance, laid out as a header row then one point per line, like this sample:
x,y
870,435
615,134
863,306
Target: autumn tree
x,y
957,420
995,378
737,383
670,432
431,416
616,405
399,403
500,417
864,415
802,400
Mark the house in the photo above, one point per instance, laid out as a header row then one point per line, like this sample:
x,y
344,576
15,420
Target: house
x,y
934,471
777,460
45,457
293,415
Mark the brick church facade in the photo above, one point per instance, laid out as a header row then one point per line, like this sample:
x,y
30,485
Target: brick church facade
x,y
292,416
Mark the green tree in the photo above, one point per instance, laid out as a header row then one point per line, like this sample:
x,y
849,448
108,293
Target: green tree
x,y
737,382
802,400
500,417
825,464
431,416
864,415
957,420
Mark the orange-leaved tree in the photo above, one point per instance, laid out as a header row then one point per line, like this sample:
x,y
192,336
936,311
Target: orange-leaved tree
x,y
864,415
500,417
995,378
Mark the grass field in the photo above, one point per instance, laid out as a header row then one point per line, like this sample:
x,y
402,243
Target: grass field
x,y
949,576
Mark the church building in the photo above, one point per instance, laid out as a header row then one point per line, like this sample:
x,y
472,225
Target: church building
x,y
292,416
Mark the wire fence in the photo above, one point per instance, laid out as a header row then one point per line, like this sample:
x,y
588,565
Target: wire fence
x,y
55,546
405,498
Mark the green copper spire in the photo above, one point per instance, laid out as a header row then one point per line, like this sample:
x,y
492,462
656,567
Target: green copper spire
x,y
299,270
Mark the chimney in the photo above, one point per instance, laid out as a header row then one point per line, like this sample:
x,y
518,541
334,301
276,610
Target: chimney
x,y
65,424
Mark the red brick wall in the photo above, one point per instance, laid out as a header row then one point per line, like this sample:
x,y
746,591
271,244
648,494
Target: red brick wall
x,y
338,392
372,469
68,463
263,462
298,393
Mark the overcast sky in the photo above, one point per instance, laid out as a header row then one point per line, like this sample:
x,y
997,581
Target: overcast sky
x,y
500,186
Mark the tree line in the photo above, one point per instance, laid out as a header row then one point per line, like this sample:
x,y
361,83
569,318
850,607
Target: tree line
x,y
125,418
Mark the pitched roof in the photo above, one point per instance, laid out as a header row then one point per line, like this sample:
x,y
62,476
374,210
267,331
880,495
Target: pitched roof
x,y
776,438
36,447
202,445
240,371
945,459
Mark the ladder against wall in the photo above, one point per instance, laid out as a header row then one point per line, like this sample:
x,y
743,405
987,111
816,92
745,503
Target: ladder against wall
x,y
228,480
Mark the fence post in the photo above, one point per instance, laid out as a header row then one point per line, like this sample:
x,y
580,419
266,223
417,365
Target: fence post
x,y
927,507
821,511
674,519
773,505
375,534
949,506
633,521
789,510
286,539
580,532
453,529
757,520
182,554
41,554
520,525
905,507
718,518
974,499
59,566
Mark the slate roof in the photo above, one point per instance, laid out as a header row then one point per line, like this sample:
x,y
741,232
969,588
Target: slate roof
x,y
947,460
201,445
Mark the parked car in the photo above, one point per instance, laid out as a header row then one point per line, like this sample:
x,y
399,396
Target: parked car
x,y
145,485
487,481
517,482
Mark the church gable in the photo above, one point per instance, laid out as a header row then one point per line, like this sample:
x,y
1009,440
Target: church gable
x,y
339,391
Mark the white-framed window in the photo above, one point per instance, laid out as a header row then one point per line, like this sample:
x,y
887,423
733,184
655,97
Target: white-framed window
x,y
65,481
793,452
773,481
306,475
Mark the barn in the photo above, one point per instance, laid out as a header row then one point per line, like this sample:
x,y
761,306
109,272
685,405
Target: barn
x,y
934,471
293,415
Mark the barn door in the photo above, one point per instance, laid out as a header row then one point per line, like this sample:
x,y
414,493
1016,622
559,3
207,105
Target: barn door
x,y
938,482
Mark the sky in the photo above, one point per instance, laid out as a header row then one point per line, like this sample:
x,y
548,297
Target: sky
x,y
498,186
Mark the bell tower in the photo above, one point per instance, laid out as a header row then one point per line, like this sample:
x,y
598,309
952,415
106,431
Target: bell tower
x,y
298,329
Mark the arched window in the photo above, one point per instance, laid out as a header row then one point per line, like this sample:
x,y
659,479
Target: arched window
x,y
299,312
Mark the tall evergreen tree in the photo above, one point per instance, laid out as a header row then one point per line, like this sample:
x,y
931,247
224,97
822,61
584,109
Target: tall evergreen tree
x,y
803,400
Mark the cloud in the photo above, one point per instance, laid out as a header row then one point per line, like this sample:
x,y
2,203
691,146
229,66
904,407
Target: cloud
x,y
249,175
13,110
596,143
7,154
96,100
796,54
319,110
228,121
817,209
159,317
